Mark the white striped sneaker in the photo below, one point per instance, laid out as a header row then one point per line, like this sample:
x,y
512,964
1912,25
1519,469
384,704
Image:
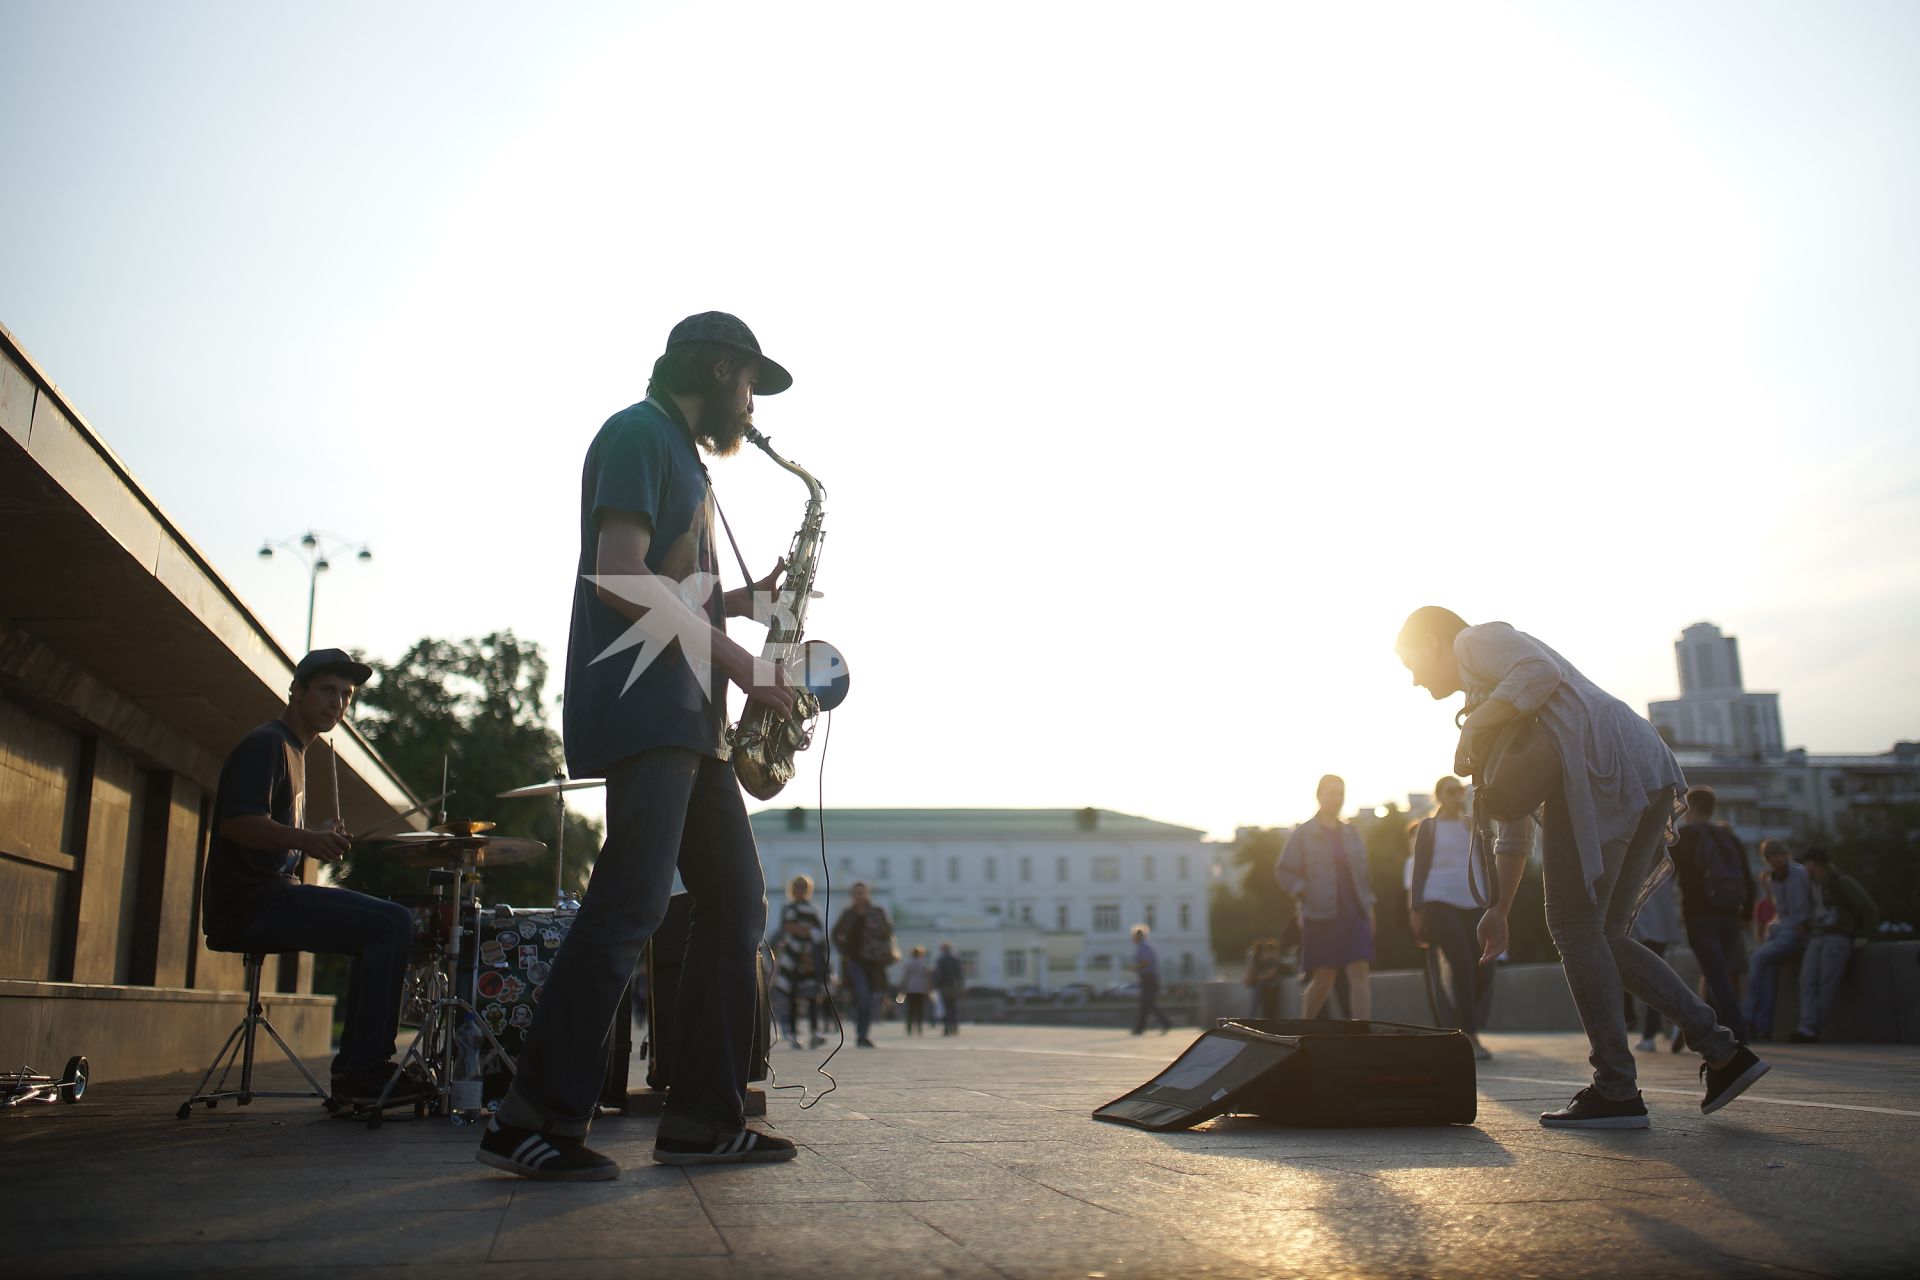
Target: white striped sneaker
x,y
747,1146
541,1155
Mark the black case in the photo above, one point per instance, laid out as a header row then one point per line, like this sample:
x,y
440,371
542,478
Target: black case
x,y
1321,1074
666,955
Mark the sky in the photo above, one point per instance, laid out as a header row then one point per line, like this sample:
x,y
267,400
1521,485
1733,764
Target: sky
x,y
1157,360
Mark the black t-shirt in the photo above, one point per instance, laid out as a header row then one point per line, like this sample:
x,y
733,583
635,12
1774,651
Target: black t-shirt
x,y
265,774
626,694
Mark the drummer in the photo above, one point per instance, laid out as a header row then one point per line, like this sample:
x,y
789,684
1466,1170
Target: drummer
x,y
255,897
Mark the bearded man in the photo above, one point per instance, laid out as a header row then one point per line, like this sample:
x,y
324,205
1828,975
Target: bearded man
x,y
648,662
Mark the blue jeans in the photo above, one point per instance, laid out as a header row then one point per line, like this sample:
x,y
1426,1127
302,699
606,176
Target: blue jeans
x,y
1598,956
861,979
1763,974
376,933
1714,941
667,808
1150,1004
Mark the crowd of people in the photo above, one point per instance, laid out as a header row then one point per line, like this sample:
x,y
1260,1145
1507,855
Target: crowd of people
x,y
862,939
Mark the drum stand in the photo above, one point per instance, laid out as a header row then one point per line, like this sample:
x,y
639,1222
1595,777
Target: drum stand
x,y
444,1005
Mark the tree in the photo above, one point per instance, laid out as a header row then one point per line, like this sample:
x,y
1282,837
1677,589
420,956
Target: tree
x,y
476,704
1253,906
1880,847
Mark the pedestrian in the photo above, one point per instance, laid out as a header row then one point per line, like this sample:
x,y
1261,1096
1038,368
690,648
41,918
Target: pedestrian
x,y
916,980
1442,911
950,979
1843,921
1146,968
1324,867
1789,890
864,937
1264,973
1716,900
1605,820
800,969
1656,926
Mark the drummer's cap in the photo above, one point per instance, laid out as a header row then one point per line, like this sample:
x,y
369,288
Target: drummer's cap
x,y
732,331
331,662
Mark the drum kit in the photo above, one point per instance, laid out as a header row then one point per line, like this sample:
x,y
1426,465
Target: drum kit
x,y
456,1047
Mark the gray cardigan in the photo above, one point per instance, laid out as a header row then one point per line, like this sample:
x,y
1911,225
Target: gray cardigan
x,y
1306,866
1612,761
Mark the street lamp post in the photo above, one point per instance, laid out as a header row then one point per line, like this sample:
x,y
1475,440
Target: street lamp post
x,y
316,547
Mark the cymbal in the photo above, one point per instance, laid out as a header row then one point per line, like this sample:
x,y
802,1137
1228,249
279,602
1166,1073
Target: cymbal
x,y
436,850
551,788
463,828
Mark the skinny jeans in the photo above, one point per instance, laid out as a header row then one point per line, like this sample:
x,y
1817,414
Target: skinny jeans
x,y
1598,956
1453,952
667,809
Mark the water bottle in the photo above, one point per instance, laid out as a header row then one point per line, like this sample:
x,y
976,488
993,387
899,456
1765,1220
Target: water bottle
x,y
466,1096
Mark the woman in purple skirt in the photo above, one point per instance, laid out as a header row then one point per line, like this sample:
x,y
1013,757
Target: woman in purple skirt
x,y
1324,867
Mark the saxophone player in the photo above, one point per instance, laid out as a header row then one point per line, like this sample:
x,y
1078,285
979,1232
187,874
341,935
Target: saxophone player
x,y
648,662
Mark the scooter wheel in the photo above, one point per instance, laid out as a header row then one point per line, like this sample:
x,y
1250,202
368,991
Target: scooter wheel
x,y
75,1079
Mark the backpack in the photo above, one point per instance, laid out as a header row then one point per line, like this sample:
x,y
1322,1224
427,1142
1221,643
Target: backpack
x,y
1723,869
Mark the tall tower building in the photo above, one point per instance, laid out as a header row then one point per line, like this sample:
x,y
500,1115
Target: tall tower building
x,y
1714,711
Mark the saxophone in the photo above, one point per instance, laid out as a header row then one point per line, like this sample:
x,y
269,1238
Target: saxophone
x,y
765,742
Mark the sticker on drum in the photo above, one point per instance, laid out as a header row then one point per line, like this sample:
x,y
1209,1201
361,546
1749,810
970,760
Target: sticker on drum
x,y
528,954
550,937
496,1016
490,985
537,974
492,953
522,1016
511,988
508,938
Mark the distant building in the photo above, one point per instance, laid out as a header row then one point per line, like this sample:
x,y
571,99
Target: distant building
x,y
1714,711
1794,795
1027,897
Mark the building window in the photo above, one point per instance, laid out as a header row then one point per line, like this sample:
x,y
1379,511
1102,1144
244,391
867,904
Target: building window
x,y
1014,963
1106,917
919,870
886,869
1060,916
1146,866
1151,923
953,871
1180,867
1106,869
1060,870
1186,916
993,870
1100,964
1026,913
1186,965
970,963
1026,871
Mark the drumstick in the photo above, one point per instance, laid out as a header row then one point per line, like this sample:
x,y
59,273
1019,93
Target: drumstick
x,y
333,753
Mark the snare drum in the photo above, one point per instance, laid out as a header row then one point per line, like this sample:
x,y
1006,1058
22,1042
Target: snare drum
x,y
432,921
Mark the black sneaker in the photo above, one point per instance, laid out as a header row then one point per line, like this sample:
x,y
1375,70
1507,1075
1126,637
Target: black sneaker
x,y
1589,1110
541,1155
747,1146
1803,1037
1727,1082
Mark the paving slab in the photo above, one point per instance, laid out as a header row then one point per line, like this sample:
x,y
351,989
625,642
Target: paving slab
x,y
976,1157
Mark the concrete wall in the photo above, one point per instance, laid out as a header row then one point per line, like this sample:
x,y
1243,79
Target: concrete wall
x,y
1879,1000
127,1032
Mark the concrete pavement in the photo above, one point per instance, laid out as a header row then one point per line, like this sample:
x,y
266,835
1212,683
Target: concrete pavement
x,y
976,1157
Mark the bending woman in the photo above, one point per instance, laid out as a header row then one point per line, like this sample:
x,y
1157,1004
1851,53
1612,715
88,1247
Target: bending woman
x,y
1604,835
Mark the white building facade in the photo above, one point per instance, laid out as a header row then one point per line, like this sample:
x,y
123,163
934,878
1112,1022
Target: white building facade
x,y
1028,897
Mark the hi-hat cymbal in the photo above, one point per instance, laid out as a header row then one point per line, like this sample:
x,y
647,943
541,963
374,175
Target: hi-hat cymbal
x,y
483,851
463,828
551,788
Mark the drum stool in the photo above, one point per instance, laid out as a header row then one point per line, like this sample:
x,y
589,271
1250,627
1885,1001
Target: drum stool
x,y
240,1045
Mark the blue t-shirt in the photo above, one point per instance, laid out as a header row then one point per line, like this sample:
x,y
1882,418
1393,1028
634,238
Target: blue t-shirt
x,y
643,463
1145,963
